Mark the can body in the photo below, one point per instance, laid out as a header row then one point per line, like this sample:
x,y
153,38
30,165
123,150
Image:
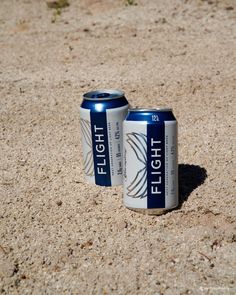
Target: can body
x,y
150,160
101,117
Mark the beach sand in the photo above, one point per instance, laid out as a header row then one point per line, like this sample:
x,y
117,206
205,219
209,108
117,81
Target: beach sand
x,y
59,235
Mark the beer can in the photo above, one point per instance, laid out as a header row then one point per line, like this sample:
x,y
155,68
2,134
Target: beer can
x,y
150,160
101,117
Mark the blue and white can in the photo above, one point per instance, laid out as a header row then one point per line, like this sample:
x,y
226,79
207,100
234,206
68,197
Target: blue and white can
x,y
150,160
102,113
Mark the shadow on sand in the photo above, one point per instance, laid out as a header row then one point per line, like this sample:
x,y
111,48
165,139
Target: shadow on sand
x,y
190,177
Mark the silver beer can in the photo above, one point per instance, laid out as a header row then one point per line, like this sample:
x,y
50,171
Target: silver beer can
x,y
150,160
101,117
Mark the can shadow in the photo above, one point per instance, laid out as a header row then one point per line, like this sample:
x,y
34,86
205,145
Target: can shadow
x,y
190,177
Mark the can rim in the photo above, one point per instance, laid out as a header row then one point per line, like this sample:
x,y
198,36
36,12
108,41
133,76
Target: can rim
x,y
105,94
160,109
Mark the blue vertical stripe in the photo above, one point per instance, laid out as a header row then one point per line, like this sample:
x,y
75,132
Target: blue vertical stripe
x,y
100,148
156,165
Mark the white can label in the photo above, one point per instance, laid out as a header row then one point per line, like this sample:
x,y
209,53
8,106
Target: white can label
x,y
105,145
150,165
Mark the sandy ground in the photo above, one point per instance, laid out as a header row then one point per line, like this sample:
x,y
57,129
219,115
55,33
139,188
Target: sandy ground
x,y
58,235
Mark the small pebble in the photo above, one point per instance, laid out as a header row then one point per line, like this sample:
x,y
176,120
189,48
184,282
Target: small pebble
x,y
59,203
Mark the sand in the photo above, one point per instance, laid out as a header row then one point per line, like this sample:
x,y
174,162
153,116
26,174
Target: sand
x,y
59,235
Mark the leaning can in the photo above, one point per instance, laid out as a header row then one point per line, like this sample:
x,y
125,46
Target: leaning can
x,y
101,116
150,160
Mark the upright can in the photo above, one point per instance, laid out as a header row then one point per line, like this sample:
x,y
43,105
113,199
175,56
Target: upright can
x,y
150,160
102,113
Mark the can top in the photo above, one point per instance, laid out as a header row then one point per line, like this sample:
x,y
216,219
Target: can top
x,y
145,110
104,94
150,115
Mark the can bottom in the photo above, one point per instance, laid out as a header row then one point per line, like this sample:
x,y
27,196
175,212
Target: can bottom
x,y
159,211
